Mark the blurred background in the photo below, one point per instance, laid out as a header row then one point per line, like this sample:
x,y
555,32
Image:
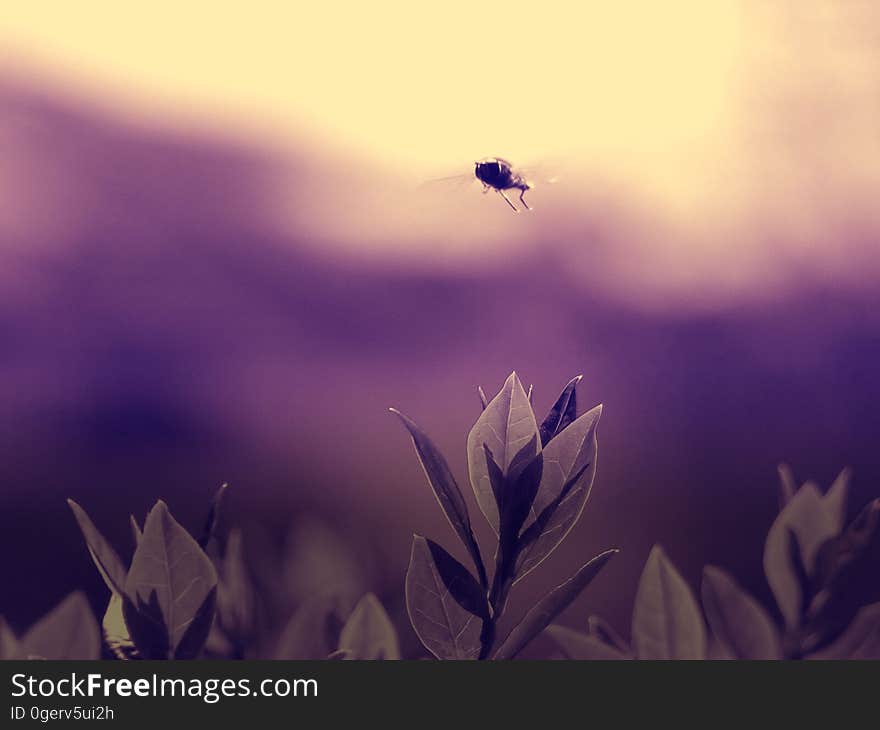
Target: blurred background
x,y
220,261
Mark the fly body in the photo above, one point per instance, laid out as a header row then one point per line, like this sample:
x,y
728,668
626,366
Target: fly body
x,y
498,174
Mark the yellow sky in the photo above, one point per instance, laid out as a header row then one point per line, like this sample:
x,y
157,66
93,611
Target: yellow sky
x,y
631,84
710,119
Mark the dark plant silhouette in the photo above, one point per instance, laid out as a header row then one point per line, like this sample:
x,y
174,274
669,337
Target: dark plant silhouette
x,y
179,597
531,482
823,574
175,602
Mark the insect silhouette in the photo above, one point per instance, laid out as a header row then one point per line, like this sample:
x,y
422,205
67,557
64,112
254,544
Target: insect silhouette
x,y
499,175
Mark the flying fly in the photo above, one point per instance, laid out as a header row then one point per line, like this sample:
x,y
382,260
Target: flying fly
x,y
499,175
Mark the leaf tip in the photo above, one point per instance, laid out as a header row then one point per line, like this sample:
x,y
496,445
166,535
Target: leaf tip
x,y
160,509
657,553
404,419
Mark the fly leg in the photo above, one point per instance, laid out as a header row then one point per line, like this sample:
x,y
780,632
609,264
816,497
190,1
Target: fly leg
x,y
522,199
501,193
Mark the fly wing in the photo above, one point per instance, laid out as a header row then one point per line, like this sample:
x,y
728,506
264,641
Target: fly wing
x,y
539,175
450,181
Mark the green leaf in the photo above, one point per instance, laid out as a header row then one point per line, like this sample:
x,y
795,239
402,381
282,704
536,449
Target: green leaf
x,y
441,602
313,631
550,606
104,556
563,412
68,631
170,590
569,470
737,620
813,519
667,623
213,517
446,491
575,645
860,641
504,427
369,633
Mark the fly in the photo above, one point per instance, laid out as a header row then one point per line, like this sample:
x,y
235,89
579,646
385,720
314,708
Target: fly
x,y
499,175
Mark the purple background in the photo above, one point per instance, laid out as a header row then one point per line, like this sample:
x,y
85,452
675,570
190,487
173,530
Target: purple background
x,y
157,337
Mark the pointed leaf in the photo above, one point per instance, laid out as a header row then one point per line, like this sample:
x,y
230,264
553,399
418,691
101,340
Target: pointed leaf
x,y
844,577
667,623
446,490
196,634
68,631
104,556
839,490
146,627
569,470
459,582
171,585
575,645
505,427
737,620
550,606
9,645
441,602
516,492
369,633
135,530
787,485
116,634
235,591
213,517
813,519
563,412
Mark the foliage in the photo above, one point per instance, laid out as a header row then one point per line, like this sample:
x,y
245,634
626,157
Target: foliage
x,y
531,482
178,597
822,572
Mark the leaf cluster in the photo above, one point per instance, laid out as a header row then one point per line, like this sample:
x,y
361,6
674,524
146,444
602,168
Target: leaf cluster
x,y
531,482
